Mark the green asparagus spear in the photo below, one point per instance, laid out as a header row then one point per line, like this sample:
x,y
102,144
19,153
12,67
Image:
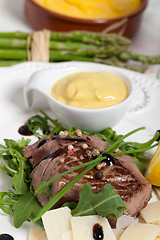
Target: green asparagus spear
x,y
58,56
18,35
101,52
114,61
64,45
7,63
90,37
130,55
13,43
13,54
80,36
68,45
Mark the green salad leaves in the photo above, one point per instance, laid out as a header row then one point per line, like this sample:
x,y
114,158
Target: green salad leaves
x,y
22,200
107,203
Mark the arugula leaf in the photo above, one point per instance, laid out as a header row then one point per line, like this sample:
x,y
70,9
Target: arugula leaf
x,y
71,205
19,180
85,205
5,204
109,135
19,169
12,154
25,208
107,203
7,200
37,122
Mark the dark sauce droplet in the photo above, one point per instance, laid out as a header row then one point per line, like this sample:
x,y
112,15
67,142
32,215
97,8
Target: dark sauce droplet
x,y
69,139
57,153
98,232
6,236
24,130
41,143
110,160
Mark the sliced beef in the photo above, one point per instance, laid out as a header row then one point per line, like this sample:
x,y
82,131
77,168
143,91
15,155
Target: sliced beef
x,y
50,157
47,146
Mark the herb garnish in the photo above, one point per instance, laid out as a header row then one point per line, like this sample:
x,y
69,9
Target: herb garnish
x,y
107,203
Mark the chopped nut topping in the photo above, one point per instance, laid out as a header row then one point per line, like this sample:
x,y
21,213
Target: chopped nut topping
x,y
84,146
78,132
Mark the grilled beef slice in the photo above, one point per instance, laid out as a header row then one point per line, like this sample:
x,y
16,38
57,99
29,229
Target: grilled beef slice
x,y
50,157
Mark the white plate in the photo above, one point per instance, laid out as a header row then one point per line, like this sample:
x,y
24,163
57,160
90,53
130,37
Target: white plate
x,y
144,111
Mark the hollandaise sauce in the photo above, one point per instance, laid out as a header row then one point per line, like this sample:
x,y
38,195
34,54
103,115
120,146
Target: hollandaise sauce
x,y
92,9
90,90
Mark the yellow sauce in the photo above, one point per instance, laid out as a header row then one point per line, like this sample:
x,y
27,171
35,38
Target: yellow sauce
x,y
92,9
90,90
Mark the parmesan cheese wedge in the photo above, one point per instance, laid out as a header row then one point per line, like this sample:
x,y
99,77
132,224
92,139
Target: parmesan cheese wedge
x,y
56,222
151,213
82,228
67,235
37,234
141,231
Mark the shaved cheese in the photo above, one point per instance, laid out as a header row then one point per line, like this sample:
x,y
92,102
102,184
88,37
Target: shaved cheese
x,y
56,222
125,220
151,213
37,234
67,235
122,223
82,227
157,191
118,232
141,231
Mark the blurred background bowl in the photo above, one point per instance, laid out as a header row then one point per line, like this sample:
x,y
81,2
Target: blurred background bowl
x,y
40,17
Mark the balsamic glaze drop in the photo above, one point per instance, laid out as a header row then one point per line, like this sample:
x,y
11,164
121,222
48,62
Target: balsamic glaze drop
x,y
69,139
6,236
98,232
24,130
110,160
41,143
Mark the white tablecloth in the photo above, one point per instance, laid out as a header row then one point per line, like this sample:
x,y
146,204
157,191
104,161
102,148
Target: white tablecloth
x,y
147,39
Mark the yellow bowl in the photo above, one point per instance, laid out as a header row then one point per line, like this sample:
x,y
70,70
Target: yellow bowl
x,y
40,18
